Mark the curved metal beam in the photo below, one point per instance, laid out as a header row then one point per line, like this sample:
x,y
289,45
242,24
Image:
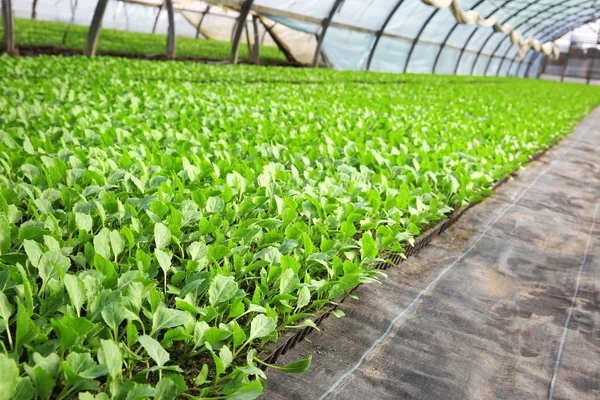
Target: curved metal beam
x,y
562,30
92,37
241,22
380,32
536,33
473,34
529,29
171,30
8,26
416,39
493,32
437,57
535,26
324,27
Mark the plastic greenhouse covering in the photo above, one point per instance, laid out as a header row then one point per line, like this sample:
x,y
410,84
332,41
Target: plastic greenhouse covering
x,y
421,36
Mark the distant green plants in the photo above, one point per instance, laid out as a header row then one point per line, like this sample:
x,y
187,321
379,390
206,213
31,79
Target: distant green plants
x,y
46,33
161,222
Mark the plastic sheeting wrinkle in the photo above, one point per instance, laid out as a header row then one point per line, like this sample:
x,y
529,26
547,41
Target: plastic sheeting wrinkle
x,y
441,275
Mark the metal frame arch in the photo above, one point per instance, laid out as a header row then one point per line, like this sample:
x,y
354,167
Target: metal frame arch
x,y
473,34
494,32
537,33
553,16
528,30
563,30
437,57
380,32
324,27
534,54
241,22
416,39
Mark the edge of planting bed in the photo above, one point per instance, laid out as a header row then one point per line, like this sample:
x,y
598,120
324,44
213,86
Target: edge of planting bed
x,y
288,340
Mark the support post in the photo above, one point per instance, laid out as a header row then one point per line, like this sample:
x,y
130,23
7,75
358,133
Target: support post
x,y
241,22
595,48
157,16
543,67
33,9
324,27
201,20
256,40
8,25
171,30
564,69
92,37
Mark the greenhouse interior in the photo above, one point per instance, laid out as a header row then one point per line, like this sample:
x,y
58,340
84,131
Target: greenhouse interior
x,y
289,200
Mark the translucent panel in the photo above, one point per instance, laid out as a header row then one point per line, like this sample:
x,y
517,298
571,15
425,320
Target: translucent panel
x,y
481,65
461,35
347,50
513,69
365,14
503,71
494,65
390,55
422,58
535,67
409,18
466,63
298,25
311,8
447,62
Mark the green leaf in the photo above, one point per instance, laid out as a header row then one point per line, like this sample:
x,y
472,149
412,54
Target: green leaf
x,y
303,297
84,222
289,281
112,357
34,251
10,377
166,389
368,246
76,290
102,243
154,350
218,252
164,260
165,318
162,235
53,265
261,326
338,313
249,391
4,234
6,309
222,289
215,204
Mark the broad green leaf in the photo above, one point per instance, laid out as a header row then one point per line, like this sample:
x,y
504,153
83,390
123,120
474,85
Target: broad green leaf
x,y
165,318
76,290
166,389
102,243
162,236
164,260
289,281
154,350
84,222
222,289
6,309
10,377
261,326
112,357
368,247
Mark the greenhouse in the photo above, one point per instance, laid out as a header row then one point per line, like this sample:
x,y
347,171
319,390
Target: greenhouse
x,y
284,199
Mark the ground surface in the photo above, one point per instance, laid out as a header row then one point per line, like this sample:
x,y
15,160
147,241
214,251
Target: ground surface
x,y
496,292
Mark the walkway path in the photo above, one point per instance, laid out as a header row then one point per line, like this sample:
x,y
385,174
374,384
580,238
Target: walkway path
x,y
503,305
